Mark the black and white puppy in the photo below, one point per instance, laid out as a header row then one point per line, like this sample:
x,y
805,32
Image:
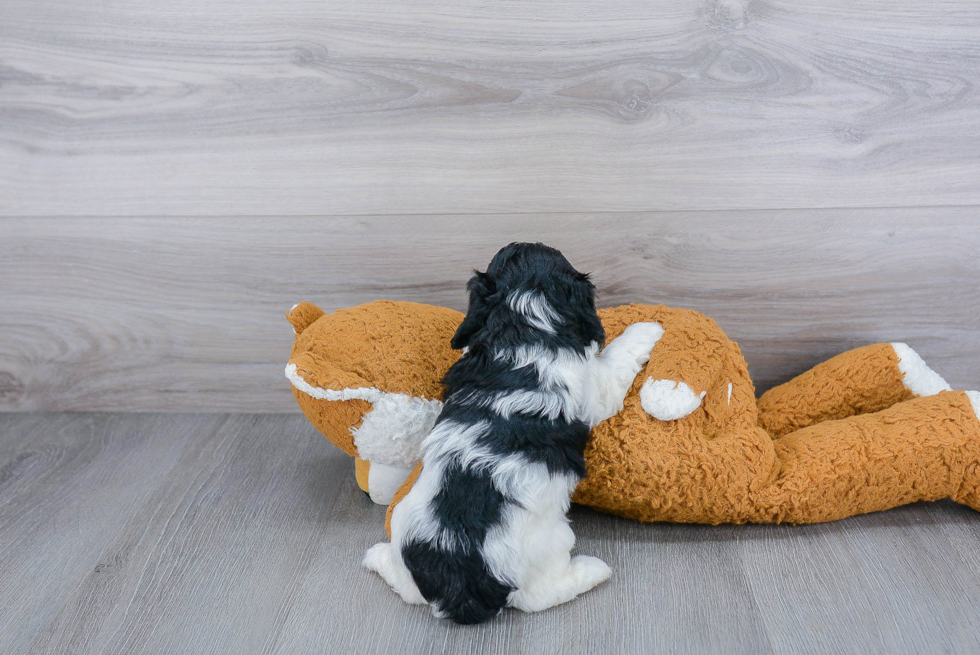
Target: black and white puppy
x,y
485,524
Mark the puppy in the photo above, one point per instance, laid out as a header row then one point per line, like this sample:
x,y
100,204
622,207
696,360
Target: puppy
x,y
485,524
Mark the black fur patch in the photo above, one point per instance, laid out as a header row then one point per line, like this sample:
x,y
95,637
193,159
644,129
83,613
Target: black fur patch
x,y
457,580
529,267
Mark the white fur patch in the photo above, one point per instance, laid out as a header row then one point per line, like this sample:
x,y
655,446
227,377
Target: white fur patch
x,y
916,376
535,309
392,432
974,397
668,400
729,393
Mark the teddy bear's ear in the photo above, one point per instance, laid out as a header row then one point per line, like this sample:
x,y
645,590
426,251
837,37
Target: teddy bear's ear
x,y
303,315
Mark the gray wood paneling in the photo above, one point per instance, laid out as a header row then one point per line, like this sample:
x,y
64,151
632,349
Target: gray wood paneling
x,y
297,107
144,314
244,534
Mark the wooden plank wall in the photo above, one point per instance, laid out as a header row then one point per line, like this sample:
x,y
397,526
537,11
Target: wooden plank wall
x,y
175,175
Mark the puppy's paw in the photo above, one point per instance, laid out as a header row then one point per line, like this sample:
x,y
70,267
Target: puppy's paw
x,y
378,557
640,338
589,571
668,400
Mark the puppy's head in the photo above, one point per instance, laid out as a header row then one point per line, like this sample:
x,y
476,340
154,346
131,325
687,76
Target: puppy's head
x,y
530,292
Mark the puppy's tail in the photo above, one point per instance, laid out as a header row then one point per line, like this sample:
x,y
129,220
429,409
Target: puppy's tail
x,y
457,584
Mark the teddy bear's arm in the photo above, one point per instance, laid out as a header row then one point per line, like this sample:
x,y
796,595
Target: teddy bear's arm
x,y
859,381
684,365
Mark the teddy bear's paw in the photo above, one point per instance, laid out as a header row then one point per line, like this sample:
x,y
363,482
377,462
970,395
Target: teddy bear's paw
x,y
974,397
916,375
383,480
668,400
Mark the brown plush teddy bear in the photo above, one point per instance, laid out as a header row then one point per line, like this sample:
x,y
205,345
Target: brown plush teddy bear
x,y
870,429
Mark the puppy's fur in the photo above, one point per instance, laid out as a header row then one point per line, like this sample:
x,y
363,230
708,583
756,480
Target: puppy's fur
x,y
485,524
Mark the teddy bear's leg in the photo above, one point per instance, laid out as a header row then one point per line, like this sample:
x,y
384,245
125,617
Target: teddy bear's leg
x,y
680,372
925,448
858,381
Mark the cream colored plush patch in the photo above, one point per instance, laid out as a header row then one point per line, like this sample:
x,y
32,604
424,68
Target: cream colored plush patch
x,y
393,431
369,394
668,400
916,375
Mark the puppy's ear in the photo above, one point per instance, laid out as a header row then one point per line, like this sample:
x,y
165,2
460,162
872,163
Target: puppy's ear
x,y
481,287
585,319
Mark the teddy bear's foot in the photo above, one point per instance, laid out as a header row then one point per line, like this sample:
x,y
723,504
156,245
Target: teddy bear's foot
x,y
916,375
540,593
379,481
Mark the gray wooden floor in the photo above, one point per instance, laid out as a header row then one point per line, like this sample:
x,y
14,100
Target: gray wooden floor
x,y
191,533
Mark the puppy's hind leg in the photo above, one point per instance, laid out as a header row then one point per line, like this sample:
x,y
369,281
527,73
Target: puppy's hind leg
x,y
582,574
387,563
551,577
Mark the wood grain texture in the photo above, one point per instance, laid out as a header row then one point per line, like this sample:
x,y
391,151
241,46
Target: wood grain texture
x,y
66,483
139,314
243,534
298,107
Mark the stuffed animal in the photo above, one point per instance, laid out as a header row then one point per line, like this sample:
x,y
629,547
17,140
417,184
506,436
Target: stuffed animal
x,y
867,430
